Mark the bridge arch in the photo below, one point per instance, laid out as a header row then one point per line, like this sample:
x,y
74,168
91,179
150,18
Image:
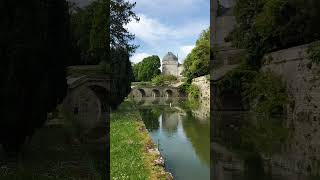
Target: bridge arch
x,y
168,93
156,93
142,92
138,92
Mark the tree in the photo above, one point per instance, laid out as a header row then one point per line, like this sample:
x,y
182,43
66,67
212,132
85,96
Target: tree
x,y
121,13
197,62
35,46
90,30
267,25
147,69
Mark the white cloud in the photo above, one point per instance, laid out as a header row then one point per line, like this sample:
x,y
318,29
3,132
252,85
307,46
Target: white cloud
x,y
147,29
168,7
153,33
139,57
185,50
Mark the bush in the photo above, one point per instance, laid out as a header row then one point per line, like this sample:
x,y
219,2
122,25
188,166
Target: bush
x,y
268,92
163,79
314,52
193,91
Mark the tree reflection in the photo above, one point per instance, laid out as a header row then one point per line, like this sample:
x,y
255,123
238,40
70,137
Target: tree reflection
x,y
150,118
198,134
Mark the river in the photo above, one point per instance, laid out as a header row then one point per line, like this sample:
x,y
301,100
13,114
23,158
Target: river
x,y
182,130
247,146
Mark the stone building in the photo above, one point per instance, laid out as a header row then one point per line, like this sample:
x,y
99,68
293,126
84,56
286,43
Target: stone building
x,y
171,65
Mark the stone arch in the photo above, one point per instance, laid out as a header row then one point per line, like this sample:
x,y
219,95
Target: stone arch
x,y
102,93
138,93
168,93
156,93
85,106
142,92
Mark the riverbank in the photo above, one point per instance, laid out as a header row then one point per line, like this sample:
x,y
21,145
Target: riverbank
x,y
132,152
56,153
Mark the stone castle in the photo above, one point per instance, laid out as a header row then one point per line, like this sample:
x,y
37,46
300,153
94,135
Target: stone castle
x,y
171,65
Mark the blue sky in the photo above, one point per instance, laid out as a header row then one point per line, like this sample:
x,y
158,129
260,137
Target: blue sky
x,y
168,25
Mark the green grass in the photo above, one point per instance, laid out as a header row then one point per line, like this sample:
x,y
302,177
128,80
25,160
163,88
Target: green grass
x,y
129,144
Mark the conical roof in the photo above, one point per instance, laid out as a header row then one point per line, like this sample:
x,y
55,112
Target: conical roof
x,y
170,57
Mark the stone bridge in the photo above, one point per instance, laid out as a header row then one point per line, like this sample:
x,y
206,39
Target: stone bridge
x,y
155,91
90,98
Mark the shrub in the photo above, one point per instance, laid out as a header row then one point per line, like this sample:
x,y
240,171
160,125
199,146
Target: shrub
x,y
268,92
314,52
163,79
193,91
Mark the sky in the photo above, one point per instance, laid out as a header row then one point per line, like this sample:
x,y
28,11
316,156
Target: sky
x,y
168,26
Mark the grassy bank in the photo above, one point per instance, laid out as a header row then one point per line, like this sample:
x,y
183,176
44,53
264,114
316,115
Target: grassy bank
x,y
129,147
55,153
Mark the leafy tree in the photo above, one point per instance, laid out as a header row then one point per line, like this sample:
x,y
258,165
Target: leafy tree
x,y
267,25
121,13
90,29
135,69
35,46
197,62
99,36
147,69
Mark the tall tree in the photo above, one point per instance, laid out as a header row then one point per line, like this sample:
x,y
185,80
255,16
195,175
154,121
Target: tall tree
x,y
197,62
121,13
147,69
34,50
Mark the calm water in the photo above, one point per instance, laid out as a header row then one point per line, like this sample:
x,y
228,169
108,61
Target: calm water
x,y
183,133
247,146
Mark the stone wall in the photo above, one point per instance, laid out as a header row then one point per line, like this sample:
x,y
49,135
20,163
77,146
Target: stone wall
x,y
203,83
302,152
301,77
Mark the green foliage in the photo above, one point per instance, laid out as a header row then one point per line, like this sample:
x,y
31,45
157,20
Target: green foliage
x,y
263,92
197,62
190,104
236,78
121,13
184,88
266,25
89,30
193,91
314,52
95,27
189,89
163,79
121,67
269,93
147,69
35,49
99,36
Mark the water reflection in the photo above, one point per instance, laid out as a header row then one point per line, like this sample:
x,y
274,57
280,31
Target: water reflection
x,y
184,138
248,146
